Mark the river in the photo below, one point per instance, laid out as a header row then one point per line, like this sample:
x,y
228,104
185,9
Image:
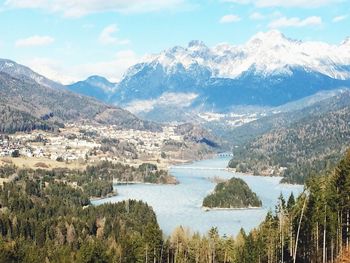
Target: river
x,y
180,204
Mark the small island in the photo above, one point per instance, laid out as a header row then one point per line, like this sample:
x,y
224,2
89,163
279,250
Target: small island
x,y
231,194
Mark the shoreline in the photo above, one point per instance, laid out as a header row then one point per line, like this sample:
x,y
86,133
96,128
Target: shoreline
x,y
94,198
232,170
115,193
208,209
145,183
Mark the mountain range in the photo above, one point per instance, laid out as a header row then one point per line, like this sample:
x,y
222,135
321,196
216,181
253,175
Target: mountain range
x,y
269,70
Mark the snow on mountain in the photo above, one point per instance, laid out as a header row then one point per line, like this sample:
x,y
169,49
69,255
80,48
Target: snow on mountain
x,y
267,71
268,52
19,71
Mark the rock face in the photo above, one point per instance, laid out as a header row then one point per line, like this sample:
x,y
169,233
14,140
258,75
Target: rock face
x,y
234,193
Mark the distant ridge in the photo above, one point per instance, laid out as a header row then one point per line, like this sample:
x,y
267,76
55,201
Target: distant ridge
x,y
94,86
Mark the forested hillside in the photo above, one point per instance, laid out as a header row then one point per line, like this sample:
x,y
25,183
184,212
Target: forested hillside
x,y
289,114
12,120
56,105
312,144
46,221
46,216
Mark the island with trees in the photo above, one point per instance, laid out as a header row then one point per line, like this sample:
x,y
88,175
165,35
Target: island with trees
x,y
234,193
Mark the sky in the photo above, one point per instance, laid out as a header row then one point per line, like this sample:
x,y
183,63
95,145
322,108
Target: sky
x,y
69,40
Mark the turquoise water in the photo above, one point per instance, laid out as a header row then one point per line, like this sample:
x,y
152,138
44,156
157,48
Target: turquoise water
x,y
180,204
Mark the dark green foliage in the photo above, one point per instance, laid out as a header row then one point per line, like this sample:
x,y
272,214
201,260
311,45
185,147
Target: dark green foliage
x,y
234,193
93,252
98,188
13,120
146,172
15,154
45,220
325,206
59,159
97,180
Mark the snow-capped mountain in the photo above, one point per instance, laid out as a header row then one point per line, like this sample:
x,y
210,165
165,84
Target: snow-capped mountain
x,y
269,70
269,53
19,71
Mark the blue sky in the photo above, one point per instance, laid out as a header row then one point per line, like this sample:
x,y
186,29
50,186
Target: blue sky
x,y
68,40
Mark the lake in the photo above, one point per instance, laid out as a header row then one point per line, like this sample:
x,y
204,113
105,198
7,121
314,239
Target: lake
x,y
180,204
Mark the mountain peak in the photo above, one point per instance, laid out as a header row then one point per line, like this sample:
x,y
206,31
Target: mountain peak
x,y
346,41
196,43
96,78
100,82
6,63
19,71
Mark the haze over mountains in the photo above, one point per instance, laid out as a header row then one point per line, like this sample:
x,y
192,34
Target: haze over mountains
x,y
269,70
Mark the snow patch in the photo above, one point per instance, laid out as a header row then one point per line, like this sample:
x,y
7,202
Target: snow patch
x,y
268,52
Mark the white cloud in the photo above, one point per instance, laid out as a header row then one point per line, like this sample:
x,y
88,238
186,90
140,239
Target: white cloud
x,y
339,18
112,69
296,22
257,16
78,8
229,19
50,68
180,100
34,41
107,36
58,70
287,3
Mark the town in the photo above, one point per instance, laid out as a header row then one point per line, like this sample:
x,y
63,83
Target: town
x,y
81,144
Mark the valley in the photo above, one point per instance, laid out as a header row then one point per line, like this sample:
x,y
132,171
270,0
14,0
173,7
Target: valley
x,y
229,153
